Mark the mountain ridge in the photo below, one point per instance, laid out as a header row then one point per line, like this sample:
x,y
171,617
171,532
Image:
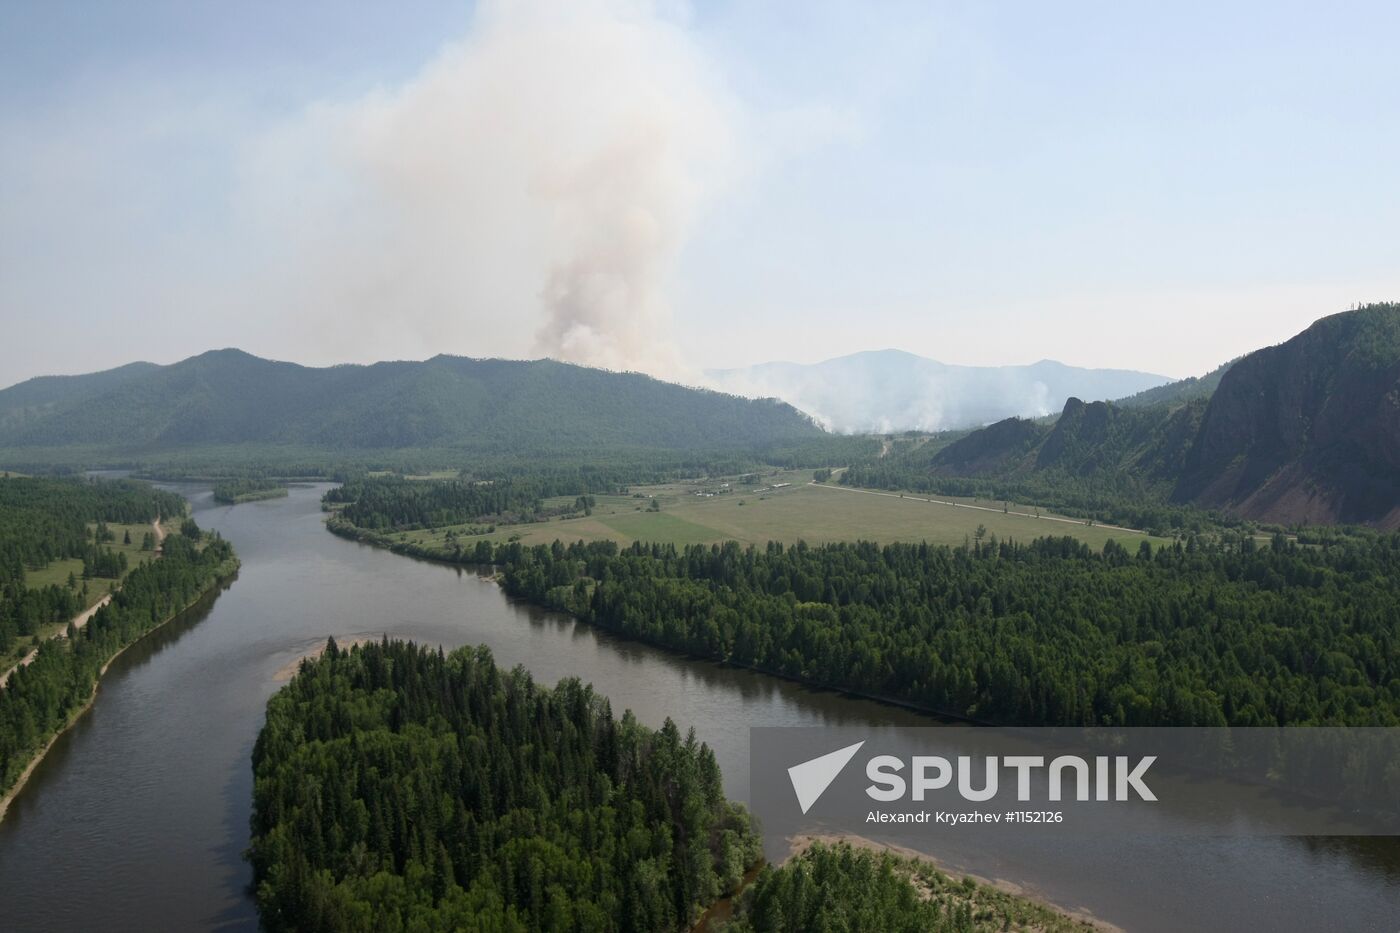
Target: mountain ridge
x,y
229,396
1304,432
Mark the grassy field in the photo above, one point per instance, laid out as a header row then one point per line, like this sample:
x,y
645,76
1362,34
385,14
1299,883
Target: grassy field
x,y
57,573
788,507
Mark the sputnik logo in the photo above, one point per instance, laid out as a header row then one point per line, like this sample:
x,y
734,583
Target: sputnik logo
x,y
811,778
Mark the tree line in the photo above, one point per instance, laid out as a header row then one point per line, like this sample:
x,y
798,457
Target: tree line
x,y
41,697
401,788
393,503
841,889
247,488
1197,633
1111,498
45,519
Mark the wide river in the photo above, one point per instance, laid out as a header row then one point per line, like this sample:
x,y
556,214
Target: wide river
x,y
138,817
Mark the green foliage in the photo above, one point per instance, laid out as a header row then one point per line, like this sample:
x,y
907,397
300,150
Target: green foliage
x,y
398,788
840,889
1052,632
525,408
1098,461
1191,389
45,520
1303,431
247,489
40,698
393,503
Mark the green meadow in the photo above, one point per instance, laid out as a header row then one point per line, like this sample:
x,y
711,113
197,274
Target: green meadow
x,y
787,507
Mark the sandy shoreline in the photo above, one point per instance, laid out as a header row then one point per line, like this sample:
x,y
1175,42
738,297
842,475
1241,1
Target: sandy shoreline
x,y
344,642
801,843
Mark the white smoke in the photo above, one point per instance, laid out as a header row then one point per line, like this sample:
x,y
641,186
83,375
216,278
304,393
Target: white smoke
x,y
888,391
533,185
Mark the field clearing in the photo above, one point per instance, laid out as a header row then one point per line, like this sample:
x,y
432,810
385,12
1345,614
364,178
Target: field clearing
x,y
57,571
710,512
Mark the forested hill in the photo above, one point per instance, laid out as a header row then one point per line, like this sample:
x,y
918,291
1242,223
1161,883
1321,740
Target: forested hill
x,y
1306,431
227,397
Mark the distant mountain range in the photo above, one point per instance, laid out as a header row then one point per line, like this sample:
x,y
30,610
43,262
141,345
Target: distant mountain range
x,y
228,397
885,391
1304,432
1307,431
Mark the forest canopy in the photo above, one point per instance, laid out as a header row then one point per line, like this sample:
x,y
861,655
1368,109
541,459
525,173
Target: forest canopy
x,y
40,698
43,520
247,489
1197,633
842,889
400,788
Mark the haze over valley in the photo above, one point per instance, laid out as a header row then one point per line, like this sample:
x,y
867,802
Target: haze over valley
x,y
651,466
884,391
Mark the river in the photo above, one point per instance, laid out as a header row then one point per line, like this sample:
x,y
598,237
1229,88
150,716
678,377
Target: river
x,y
137,818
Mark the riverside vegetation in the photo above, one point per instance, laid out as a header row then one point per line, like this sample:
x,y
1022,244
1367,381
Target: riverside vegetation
x,y
39,699
843,889
1046,633
44,521
1202,631
400,788
247,489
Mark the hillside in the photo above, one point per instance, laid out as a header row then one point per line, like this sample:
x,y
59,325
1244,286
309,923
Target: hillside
x,y
228,397
1304,432
885,391
1307,431
38,397
1179,392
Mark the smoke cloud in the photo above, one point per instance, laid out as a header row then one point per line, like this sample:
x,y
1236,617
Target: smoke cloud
x,y
532,185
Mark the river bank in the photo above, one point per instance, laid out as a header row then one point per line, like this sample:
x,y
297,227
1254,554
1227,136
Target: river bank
x,y
223,576
81,619
800,844
143,807
258,495
338,526
722,910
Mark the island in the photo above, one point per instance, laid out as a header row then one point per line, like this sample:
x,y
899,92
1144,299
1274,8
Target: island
x,y
246,489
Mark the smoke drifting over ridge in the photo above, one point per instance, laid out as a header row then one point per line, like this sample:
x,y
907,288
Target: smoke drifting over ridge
x,y
884,391
537,178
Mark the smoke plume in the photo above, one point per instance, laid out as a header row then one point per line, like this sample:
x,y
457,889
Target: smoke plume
x,y
532,185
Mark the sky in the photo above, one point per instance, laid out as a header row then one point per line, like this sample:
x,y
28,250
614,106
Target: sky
x,y
671,186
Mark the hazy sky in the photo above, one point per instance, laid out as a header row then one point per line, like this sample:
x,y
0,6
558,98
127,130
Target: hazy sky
x,y
675,186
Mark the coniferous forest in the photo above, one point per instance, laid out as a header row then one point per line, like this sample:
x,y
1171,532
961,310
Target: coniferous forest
x,y
1047,633
398,788
43,520
247,489
40,698
841,889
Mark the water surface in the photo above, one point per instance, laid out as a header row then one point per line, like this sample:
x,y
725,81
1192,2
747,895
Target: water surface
x,y
137,818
